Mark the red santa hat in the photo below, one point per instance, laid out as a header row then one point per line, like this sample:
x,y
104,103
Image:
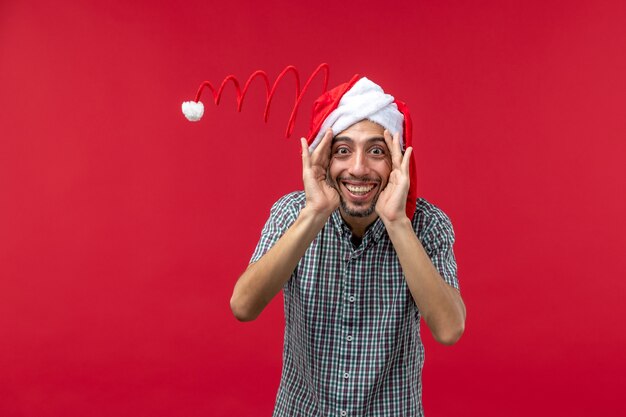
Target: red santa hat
x,y
338,109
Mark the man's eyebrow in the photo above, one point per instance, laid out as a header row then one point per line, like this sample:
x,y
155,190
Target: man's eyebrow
x,y
350,140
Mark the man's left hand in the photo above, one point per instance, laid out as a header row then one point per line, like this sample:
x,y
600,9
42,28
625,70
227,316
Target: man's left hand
x,y
391,204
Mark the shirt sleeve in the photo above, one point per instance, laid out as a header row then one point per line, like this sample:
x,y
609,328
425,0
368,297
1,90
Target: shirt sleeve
x,y
282,215
437,237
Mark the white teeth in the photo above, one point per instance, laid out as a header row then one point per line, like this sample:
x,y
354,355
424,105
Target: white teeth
x,y
359,189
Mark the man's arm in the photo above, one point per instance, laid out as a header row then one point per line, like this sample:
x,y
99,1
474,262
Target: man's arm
x,y
441,305
264,279
260,283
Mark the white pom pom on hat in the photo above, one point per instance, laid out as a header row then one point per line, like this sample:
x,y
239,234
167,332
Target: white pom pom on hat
x,y
193,110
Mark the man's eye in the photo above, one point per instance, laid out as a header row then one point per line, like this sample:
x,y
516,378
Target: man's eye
x,y
341,151
378,151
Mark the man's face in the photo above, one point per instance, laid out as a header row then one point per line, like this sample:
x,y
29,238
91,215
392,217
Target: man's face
x,y
360,164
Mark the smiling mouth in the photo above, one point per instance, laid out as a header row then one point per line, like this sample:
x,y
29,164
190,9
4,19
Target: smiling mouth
x,y
359,189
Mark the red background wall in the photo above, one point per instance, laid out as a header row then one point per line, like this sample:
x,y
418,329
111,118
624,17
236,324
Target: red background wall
x,y
124,227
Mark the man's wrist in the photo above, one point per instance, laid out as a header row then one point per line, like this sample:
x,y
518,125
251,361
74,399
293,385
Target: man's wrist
x,y
313,217
399,224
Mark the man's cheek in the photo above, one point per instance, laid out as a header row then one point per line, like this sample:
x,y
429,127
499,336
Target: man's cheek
x,y
389,163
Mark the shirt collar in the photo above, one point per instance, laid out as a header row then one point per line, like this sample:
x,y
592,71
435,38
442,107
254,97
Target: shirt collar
x,y
372,234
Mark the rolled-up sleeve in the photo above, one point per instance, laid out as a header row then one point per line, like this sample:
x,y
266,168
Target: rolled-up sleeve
x,y
436,233
282,215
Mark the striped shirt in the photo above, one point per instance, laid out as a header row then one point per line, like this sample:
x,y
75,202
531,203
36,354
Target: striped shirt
x,y
352,330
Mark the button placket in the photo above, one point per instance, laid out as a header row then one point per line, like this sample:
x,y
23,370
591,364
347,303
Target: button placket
x,y
347,312
345,374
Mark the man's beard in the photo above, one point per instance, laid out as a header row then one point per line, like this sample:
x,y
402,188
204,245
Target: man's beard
x,y
361,212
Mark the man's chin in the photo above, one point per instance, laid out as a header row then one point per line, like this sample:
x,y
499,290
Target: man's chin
x,y
353,210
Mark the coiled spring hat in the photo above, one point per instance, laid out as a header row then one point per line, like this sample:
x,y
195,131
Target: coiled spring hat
x,y
337,109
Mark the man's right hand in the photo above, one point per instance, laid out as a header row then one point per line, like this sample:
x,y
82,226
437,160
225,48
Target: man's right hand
x,y
321,198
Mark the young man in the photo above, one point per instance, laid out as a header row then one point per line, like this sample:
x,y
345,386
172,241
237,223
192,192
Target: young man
x,y
357,272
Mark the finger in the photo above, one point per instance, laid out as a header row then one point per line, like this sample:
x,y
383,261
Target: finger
x,y
397,141
406,161
321,154
396,154
306,156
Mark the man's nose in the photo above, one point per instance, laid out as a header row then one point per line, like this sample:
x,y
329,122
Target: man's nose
x,y
359,166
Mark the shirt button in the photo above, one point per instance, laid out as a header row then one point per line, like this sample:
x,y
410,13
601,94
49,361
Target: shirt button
x,y
349,338
346,375
344,413
351,298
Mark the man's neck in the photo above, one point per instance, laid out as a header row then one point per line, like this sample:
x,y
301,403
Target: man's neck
x,y
358,225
